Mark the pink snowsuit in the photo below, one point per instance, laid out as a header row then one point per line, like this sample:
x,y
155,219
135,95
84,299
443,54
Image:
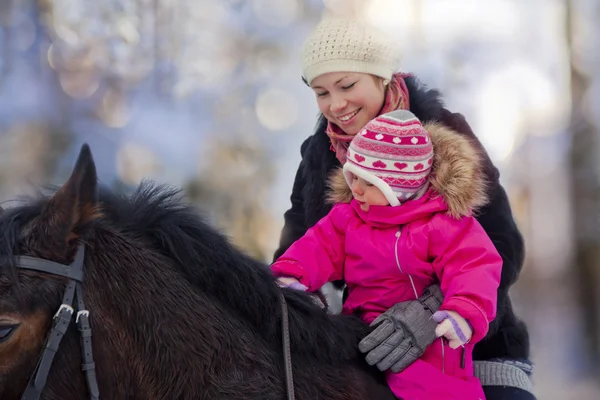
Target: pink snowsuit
x,y
377,252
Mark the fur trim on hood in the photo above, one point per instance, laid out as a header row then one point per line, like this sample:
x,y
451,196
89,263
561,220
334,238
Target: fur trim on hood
x,y
457,173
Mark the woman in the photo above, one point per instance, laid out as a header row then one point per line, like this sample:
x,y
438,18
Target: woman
x,y
351,70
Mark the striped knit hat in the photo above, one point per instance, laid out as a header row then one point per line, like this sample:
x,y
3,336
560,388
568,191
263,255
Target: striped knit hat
x,y
394,153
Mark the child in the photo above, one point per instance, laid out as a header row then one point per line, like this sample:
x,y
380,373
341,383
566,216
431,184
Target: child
x,y
408,224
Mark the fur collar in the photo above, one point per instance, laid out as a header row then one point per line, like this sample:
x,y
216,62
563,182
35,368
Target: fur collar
x,y
456,173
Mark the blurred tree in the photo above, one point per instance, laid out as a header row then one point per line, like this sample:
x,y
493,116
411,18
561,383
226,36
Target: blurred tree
x,y
5,38
30,151
233,188
98,57
585,189
31,144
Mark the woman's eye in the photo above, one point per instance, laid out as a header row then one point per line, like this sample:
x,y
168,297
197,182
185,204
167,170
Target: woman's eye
x,y
321,94
348,86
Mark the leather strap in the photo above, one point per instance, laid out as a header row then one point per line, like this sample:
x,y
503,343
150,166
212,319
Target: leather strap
x,y
61,322
287,352
88,366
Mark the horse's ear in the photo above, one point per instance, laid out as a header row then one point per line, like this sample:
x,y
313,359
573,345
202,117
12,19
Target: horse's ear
x,y
76,202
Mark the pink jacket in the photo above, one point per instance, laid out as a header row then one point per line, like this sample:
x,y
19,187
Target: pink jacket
x,y
391,254
377,252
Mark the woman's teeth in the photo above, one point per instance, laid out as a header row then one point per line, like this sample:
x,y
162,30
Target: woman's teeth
x,y
348,116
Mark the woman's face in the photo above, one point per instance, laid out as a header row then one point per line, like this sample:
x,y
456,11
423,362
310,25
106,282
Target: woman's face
x,y
349,99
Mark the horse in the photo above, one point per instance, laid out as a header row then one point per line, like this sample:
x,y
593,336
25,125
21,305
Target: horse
x,y
177,311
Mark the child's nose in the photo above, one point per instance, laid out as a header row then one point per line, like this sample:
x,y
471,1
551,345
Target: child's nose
x,y
357,188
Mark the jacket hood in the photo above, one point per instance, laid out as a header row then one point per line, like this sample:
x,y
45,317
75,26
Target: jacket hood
x,y
456,176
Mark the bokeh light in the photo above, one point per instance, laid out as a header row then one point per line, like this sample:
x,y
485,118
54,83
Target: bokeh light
x,y
79,85
136,162
500,119
276,109
277,13
448,19
113,108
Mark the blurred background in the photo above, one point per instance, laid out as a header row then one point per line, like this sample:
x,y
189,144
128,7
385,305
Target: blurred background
x,y
207,95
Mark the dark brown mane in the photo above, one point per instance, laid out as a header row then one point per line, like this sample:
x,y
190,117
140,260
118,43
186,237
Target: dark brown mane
x,y
174,304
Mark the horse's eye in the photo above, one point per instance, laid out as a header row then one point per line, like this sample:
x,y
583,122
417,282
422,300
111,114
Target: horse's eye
x,y
6,331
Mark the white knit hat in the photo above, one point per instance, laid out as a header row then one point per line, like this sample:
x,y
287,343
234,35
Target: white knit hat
x,y
339,45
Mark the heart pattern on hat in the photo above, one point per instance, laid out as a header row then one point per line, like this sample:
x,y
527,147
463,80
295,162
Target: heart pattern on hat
x,y
392,151
359,158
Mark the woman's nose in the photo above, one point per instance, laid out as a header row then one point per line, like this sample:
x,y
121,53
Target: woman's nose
x,y
338,103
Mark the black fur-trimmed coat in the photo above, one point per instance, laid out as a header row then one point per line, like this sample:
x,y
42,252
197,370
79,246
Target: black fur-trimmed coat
x,y
507,337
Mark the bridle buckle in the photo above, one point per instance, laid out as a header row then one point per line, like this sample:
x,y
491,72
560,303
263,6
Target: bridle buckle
x,y
84,313
63,307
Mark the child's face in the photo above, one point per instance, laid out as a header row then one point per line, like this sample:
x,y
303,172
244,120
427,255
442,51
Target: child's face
x,y
367,194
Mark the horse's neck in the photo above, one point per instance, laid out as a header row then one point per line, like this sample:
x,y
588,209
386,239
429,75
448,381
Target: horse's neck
x,y
243,285
163,331
159,334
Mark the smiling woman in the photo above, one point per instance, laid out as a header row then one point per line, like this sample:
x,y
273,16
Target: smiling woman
x,y
351,68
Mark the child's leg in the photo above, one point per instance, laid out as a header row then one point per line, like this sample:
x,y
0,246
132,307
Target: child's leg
x,y
423,381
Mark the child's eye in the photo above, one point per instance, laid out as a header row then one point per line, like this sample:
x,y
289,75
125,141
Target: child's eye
x,y
348,86
322,94
369,184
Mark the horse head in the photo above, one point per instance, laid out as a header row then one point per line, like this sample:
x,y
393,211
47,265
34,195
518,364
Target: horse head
x,y
48,229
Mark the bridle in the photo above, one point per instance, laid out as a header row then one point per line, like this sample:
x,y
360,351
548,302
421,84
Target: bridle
x,y
285,338
61,322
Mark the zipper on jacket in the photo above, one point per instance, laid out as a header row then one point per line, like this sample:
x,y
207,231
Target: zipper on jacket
x,y
443,357
398,234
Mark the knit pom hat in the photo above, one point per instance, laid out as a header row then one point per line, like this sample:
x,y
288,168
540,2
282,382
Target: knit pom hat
x,y
394,153
338,45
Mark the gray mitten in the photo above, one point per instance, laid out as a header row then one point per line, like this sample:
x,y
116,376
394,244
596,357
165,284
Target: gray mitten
x,y
403,332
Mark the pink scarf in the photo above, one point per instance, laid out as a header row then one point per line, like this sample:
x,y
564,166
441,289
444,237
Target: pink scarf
x,y
396,98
